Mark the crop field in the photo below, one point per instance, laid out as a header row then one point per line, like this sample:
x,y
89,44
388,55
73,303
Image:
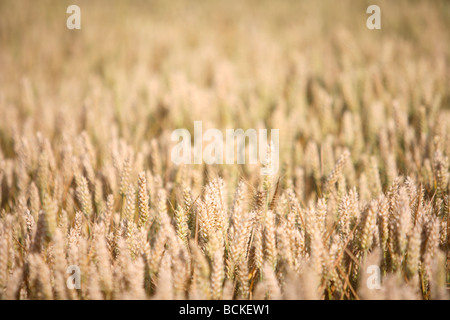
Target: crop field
x,y
92,205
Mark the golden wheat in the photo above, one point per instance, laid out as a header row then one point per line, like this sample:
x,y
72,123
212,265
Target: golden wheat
x,y
86,178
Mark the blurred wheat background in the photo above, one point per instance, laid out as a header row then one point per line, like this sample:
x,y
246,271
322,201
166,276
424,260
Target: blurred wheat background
x,y
85,171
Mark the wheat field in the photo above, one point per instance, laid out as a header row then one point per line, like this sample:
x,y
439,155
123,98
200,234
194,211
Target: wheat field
x,y
86,177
